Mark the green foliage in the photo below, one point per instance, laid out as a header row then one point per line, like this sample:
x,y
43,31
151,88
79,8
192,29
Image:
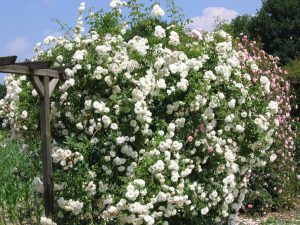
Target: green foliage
x,y
225,26
104,23
241,24
144,28
268,193
17,202
293,68
175,13
136,14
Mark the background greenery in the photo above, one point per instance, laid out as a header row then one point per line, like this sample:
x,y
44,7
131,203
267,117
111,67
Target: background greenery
x,y
276,25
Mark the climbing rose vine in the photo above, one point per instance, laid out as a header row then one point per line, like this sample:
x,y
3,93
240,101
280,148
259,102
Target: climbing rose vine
x,y
150,126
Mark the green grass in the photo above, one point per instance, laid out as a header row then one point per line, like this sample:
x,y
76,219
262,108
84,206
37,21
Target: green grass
x,y
17,200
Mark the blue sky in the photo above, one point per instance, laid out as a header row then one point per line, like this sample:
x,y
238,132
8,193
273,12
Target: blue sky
x,y
26,22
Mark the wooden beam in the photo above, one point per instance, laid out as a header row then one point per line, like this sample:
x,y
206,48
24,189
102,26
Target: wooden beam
x,y
36,64
61,69
38,86
21,69
46,73
52,85
15,69
7,60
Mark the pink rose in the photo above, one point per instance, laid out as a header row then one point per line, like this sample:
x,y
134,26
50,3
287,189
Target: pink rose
x,y
210,149
190,138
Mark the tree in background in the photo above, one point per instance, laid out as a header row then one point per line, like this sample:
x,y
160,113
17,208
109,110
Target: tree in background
x,y
293,67
276,25
241,24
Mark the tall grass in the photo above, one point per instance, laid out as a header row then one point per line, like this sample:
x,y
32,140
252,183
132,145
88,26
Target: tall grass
x,y
17,200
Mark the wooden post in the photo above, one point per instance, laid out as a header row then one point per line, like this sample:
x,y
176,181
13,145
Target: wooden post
x,y
46,147
44,86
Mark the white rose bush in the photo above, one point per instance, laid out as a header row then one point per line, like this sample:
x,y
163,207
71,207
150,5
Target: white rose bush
x,y
160,126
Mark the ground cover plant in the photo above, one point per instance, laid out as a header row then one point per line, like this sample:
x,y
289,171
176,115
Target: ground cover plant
x,y
155,124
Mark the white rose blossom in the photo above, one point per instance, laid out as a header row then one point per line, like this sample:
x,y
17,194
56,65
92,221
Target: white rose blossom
x,y
157,11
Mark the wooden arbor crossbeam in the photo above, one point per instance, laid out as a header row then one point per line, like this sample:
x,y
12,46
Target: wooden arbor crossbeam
x,y
44,79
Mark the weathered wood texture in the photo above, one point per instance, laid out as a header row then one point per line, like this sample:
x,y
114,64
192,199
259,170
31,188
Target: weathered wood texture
x,y
20,69
52,85
7,60
46,146
36,65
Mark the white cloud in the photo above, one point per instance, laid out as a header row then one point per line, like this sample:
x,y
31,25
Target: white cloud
x,y
209,17
19,45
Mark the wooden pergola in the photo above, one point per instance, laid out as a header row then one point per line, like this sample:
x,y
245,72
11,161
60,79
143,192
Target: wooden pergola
x,y
44,80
